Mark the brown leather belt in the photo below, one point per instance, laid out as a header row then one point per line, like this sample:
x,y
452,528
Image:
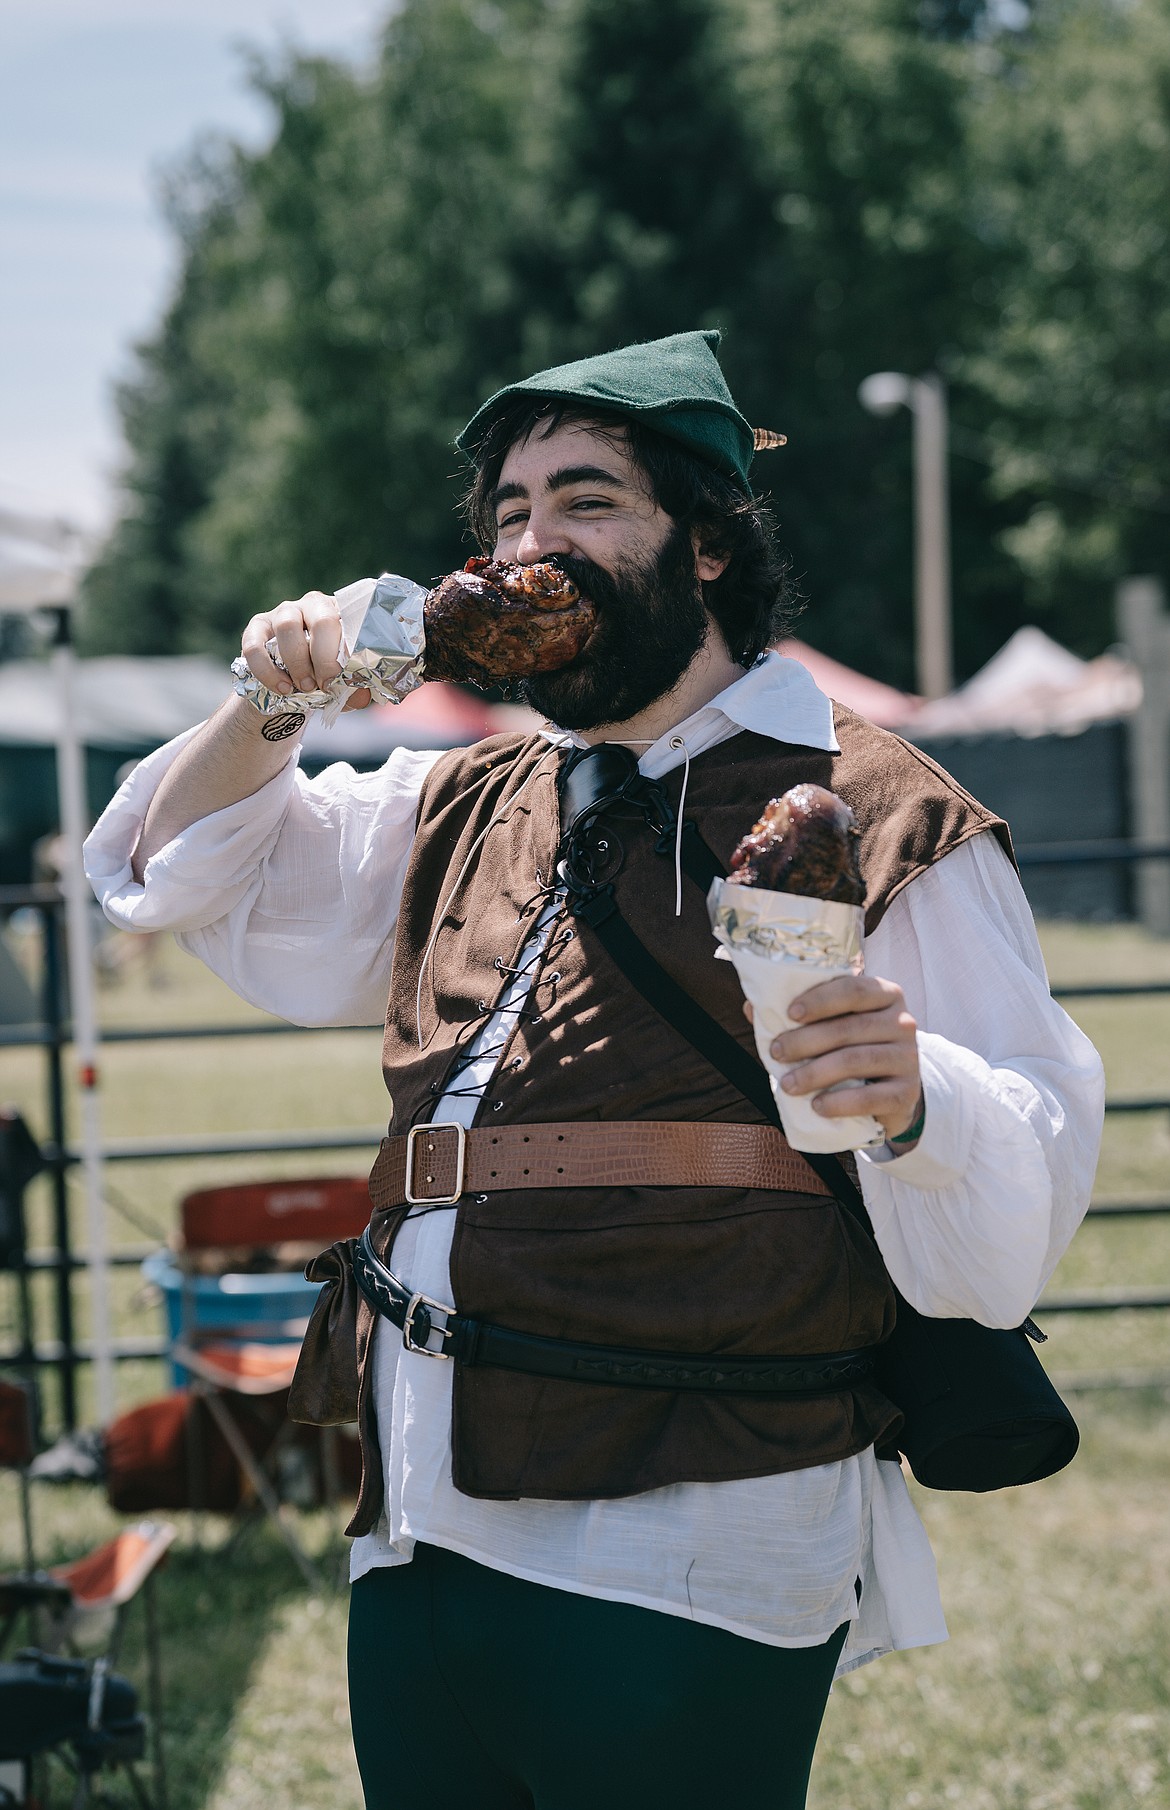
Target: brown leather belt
x,y
436,1164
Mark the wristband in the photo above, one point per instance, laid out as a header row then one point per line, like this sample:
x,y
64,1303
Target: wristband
x,y
912,1132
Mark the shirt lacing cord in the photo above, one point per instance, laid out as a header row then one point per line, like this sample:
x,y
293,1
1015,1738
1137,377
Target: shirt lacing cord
x,y
676,742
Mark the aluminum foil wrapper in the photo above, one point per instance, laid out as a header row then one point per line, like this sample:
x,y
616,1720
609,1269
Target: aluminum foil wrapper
x,y
781,944
381,651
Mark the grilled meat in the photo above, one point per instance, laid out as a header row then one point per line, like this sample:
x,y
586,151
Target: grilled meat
x,y
500,620
806,842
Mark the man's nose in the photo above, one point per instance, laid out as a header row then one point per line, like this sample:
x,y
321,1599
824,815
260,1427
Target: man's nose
x,y
540,540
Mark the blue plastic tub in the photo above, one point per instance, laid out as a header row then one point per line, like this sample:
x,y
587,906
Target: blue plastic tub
x,y
206,1302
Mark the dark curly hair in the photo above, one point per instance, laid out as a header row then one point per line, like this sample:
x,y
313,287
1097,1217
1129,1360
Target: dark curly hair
x,y
753,601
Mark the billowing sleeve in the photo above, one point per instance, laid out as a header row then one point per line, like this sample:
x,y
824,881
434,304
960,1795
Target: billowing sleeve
x,y
974,1219
290,896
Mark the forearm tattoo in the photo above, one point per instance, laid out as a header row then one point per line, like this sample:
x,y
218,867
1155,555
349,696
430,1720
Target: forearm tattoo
x,y
279,728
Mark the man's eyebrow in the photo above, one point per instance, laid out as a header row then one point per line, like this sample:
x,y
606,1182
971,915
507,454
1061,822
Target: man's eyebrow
x,y
560,480
583,474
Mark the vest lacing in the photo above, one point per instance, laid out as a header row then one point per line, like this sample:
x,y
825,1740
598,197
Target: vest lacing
x,y
501,816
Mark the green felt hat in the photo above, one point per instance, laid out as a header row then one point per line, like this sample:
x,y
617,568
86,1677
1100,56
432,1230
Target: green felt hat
x,y
674,385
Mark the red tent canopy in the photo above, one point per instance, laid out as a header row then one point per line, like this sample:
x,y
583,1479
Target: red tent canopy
x,y
882,704
435,716
444,716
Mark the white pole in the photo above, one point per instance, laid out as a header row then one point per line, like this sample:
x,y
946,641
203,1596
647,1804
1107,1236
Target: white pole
x,y
74,817
932,539
1145,629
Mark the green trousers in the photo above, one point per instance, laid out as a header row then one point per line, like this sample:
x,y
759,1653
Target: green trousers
x,y
472,1690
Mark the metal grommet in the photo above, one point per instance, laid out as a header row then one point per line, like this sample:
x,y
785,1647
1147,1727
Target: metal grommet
x,y
497,1106
481,1200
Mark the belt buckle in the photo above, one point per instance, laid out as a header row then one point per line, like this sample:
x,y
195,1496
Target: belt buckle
x,y
408,1326
412,1137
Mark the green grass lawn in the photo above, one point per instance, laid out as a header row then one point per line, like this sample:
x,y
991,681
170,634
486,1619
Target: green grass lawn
x,y
1052,1693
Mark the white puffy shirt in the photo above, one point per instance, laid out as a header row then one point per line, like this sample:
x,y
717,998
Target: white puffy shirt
x,y
291,896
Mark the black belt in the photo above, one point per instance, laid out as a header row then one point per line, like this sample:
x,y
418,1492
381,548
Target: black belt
x,y
471,1341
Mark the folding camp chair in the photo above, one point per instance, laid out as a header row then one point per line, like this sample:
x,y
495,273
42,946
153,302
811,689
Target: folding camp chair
x,y
239,1330
53,1702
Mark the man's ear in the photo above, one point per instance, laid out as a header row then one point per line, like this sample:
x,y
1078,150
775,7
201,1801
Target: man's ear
x,y
708,566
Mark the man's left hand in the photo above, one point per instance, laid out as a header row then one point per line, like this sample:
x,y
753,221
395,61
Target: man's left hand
x,y
854,1029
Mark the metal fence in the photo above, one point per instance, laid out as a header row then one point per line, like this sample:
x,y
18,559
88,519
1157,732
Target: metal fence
x,y
1098,854
66,1350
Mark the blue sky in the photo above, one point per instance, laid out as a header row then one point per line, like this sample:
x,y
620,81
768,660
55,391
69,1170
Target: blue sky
x,y
95,97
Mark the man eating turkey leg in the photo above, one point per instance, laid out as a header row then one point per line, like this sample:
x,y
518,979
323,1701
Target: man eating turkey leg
x,y
616,1550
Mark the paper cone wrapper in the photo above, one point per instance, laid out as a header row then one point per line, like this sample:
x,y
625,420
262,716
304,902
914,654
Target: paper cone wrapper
x,y
781,945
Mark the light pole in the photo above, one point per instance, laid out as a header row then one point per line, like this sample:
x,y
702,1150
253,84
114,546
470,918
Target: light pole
x,y
926,398
73,819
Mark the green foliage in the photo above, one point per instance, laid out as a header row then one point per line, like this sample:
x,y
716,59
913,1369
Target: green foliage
x,y
1074,377
876,185
342,295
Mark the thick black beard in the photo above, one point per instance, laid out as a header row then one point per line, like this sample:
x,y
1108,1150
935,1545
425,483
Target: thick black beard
x,y
651,624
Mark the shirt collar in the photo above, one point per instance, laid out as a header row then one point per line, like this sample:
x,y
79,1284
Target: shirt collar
x,y
777,697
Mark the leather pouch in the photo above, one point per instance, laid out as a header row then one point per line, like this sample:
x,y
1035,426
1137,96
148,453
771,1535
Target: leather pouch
x,y
324,1389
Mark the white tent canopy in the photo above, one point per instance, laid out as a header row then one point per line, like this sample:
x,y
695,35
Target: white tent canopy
x,y
31,577
40,561
127,702
1033,686
121,702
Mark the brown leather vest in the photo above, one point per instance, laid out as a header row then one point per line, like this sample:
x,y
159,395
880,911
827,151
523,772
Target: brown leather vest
x,y
674,1269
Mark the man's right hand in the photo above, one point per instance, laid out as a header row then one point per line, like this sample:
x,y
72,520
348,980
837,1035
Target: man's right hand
x,y
240,750
308,639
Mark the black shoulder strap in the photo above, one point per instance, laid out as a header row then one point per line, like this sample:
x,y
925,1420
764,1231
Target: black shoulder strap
x,y
600,911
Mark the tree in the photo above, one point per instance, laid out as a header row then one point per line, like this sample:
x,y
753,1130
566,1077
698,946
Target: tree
x,y
878,185
798,179
174,417
1074,377
341,294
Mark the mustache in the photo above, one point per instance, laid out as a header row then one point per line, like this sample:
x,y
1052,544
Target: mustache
x,y
593,581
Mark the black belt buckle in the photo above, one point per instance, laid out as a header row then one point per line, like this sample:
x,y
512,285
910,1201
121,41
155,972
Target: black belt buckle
x,y
418,1325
